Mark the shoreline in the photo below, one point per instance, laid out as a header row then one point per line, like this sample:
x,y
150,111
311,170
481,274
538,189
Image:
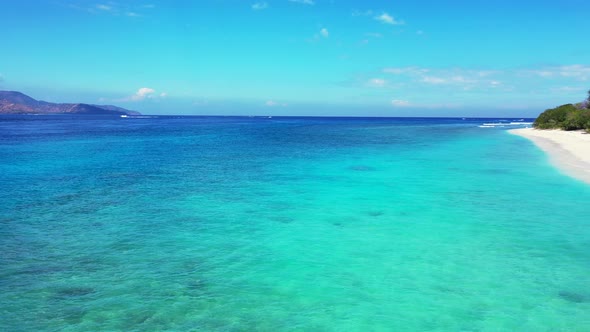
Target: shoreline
x,y
569,151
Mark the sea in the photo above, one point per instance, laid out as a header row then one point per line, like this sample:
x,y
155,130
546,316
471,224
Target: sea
x,y
172,223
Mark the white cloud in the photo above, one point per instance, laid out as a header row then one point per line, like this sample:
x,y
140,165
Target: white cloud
x,y
373,34
388,19
543,73
452,79
324,33
405,70
577,72
120,9
260,6
104,7
163,95
377,82
570,89
272,103
456,77
400,103
434,80
541,82
305,2
141,94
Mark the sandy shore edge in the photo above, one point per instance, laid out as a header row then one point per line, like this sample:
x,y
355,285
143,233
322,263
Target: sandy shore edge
x,y
567,150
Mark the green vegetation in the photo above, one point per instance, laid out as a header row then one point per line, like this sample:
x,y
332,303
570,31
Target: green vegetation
x,y
566,117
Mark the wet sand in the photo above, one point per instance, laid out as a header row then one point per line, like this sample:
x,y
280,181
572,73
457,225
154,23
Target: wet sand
x,y
568,150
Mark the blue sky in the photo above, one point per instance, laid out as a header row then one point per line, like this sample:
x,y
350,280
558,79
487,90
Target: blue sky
x,y
300,57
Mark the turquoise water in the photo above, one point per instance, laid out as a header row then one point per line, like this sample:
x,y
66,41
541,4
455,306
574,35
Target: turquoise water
x,y
286,224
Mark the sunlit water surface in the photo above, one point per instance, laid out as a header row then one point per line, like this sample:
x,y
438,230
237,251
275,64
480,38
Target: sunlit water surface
x,y
286,224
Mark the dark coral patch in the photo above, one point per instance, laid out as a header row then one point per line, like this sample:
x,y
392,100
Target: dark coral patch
x,y
574,297
375,213
73,292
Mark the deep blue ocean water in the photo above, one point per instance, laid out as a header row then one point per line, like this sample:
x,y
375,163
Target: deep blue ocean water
x,y
286,224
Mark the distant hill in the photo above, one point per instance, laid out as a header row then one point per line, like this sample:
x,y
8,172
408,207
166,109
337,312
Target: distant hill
x,y
14,102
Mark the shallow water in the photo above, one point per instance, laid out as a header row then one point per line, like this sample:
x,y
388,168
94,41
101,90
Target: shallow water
x,y
303,224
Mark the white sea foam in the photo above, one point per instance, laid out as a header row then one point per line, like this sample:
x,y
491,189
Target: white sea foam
x,y
505,124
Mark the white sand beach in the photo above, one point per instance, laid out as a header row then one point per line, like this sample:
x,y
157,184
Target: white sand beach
x,y
568,150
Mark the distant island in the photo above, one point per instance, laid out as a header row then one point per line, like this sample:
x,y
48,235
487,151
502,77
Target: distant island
x,y
14,102
566,117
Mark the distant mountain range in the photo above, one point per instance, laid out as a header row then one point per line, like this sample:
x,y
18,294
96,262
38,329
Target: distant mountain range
x,y
14,102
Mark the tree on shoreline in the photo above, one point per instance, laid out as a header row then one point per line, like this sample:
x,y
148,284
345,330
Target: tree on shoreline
x,y
566,117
